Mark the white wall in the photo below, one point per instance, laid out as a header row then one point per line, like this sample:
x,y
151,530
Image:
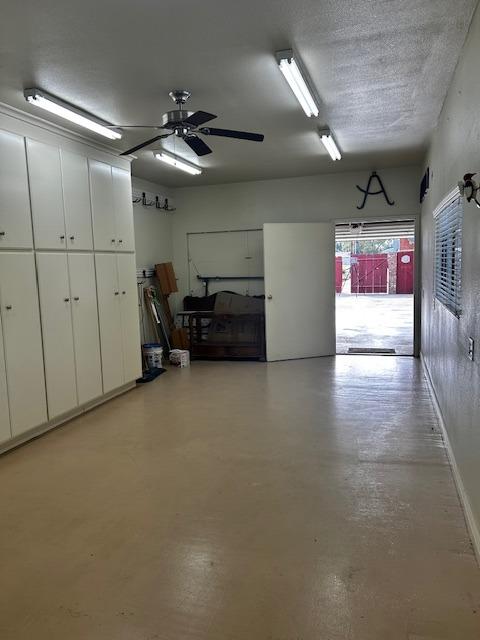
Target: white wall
x,y
455,150
248,205
153,227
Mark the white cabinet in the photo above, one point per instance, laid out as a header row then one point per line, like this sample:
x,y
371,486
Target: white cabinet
x,y
76,198
68,305
15,221
45,177
5,431
22,341
57,331
127,280
118,314
86,337
101,188
122,200
111,194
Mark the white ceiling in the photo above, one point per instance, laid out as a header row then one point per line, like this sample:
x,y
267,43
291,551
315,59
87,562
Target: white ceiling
x,y
381,67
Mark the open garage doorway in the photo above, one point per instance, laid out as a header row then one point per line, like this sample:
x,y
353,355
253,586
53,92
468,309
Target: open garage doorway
x,y
374,283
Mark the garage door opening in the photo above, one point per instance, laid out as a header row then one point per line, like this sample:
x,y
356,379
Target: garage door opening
x,y
374,283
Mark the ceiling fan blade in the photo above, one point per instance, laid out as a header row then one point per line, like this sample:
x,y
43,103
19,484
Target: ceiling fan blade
x,y
197,145
144,144
228,133
199,117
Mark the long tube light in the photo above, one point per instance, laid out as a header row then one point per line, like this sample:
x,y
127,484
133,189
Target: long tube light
x,y
326,136
64,110
299,82
174,161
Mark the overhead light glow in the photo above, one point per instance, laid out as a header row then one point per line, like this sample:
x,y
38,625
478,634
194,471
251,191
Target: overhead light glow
x,y
328,140
173,161
298,81
64,110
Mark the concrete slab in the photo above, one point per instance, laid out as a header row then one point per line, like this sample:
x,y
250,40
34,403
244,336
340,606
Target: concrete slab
x,y
375,321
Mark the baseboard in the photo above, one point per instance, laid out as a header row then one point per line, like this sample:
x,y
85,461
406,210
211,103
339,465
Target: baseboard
x,y
472,525
36,432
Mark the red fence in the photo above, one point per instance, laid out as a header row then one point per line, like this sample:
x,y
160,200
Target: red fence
x,y
368,273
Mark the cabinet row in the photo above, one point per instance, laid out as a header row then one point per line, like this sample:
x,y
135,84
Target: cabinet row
x,y
67,342
51,198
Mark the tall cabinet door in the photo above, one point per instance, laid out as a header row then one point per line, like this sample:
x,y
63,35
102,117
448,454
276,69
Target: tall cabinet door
x,y
108,295
15,222
103,213
5,431
55,308
129,313
22,341
45,177
86,336
76,198
122,192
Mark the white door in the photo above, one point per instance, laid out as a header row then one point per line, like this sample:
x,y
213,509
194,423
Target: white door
x,y
56,314
76,197
103,213
15,221
108,295
23,341
5,432
129,312
45,177
86,335
122,198
299,289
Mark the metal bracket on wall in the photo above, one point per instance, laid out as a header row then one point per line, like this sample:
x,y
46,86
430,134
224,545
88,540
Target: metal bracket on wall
x,y
367,191
206,279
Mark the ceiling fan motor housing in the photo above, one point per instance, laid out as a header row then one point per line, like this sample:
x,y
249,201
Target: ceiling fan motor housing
x,y
173,119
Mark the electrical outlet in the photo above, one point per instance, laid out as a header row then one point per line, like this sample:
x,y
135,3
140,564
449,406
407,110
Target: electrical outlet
x,y
471,349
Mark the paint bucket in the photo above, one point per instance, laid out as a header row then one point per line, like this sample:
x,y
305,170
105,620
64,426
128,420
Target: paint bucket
x,y
153,353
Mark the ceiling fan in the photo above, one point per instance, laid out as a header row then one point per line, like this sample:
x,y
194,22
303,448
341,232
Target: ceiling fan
x,y
187,125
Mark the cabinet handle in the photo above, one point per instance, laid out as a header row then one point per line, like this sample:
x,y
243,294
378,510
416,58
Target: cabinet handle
x,y
72,237
66,299
120,241
77,299
116,293
8,307
62,238
123,293
2,233
113,240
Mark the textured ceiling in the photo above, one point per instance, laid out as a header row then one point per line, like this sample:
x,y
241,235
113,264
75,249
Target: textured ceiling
x,y
381,67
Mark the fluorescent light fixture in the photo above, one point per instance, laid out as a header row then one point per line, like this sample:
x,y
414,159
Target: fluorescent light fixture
x,y
173,161
292,68
64,110
326,136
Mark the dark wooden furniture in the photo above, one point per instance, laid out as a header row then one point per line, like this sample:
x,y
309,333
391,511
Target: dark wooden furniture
x,y
227,336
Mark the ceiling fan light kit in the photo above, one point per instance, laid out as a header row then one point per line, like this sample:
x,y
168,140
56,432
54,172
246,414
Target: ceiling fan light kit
x,y
326,136
178,163
72,114
299,81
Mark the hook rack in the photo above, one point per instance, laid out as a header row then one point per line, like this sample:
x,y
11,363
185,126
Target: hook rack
x,y
151,200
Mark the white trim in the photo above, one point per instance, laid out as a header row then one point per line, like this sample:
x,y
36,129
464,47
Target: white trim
x,y
16,441
472,525
448,199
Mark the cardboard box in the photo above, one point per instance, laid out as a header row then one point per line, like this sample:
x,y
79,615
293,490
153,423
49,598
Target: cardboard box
x,y
166,277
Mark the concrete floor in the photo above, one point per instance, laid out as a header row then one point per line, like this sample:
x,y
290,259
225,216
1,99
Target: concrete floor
x,y
305,500
383,320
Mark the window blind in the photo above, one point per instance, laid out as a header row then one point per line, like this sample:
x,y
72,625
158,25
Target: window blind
x,y
448,253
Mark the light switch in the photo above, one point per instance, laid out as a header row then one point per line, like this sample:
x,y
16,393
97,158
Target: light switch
x,y
471,349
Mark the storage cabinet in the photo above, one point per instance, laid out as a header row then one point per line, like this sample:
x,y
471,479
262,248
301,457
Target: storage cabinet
x,y
118,315
45,177
22,341
15,219
5,431
76,199
86,337
112,213
70,330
